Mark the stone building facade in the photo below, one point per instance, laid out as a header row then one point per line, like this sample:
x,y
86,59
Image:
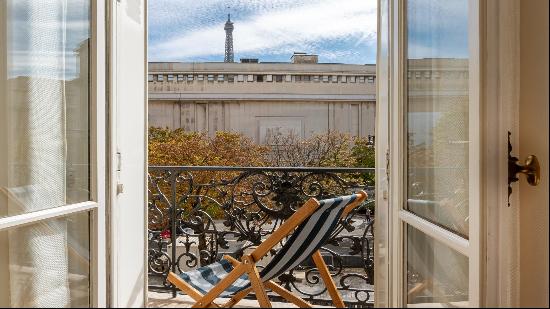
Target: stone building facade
x,y
260,99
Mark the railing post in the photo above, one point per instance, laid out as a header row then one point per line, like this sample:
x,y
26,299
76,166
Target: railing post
x,y
173,228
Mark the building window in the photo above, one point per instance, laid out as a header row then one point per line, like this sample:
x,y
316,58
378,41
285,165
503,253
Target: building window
x,y
150,78
250,78
343,79
260,78
231,78
351,79
279,78
269,78
220,77
306,78
325,78
170,77
436,74
180,78
210,77
334,78
200,77
288,78
362,79
370,79
240,78
190,77
316,78
160,78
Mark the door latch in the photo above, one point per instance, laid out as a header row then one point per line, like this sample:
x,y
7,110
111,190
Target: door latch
x,y
531,169
119,186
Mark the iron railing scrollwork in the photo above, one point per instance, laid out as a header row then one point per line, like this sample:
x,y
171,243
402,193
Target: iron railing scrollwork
x,y
198,214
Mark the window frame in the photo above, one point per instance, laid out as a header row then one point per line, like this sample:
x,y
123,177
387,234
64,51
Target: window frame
x,y
399,216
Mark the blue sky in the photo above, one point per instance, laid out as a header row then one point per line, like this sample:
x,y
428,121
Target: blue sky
x,y
437,29
341,31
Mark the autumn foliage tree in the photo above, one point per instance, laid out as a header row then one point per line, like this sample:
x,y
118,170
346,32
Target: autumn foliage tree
x,y
182,148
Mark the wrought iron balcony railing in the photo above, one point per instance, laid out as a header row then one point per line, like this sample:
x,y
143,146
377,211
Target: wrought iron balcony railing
x,y
197,214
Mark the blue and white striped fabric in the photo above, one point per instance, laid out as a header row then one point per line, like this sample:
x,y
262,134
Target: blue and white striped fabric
x,y
203,279
306,240
308,237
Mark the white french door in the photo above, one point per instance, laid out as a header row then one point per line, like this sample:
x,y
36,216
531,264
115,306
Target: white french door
x,y
72,153
52,153
430,59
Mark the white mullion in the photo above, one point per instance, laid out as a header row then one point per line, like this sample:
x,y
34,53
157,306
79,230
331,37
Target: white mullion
x,y
474,153
32,217
448,238
396,172
98,263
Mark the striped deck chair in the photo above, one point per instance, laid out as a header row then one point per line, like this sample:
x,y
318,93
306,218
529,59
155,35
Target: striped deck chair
x,y
312,224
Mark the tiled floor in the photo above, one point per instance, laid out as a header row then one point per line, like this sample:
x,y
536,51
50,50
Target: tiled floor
x,y
165,300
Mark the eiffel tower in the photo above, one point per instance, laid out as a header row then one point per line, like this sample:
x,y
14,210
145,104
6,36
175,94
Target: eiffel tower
x,y
229,57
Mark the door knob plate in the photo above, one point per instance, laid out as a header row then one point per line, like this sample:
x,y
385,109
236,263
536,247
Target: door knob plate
x,y
530,168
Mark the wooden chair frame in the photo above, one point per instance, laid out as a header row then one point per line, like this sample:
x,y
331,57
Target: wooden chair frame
x,y
248,265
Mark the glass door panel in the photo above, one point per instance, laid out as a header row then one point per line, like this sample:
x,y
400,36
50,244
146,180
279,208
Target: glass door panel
x,y
438,146
435,273
46,207
46,264
44,105
437,117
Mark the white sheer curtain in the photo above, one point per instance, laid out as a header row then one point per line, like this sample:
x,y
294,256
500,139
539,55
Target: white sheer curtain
x,y
38,254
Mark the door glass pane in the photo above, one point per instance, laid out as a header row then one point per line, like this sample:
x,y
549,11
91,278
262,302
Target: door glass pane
x,y
44,105
435,273
437,129
46,264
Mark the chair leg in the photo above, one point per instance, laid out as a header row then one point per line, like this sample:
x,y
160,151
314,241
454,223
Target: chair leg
x,y
237,298
286,294
220,287
329,283
186,288
256,282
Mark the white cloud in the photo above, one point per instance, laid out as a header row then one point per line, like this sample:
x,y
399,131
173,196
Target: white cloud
x,y
298,28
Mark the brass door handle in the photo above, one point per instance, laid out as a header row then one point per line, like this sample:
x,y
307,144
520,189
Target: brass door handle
x,y
531,169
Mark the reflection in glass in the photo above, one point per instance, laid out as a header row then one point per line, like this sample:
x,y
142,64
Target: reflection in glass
x,y
438,112
44,150
44,52
46,264
435,273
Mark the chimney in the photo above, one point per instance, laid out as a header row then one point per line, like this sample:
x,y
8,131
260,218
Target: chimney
x,y
299,57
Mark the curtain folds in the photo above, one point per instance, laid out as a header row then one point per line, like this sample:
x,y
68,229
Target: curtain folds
x,y
38,254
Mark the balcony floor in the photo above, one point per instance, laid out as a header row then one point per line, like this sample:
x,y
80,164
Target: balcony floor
x,y
165,300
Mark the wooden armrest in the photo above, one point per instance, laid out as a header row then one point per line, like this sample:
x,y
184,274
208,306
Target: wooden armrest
x,y
357,202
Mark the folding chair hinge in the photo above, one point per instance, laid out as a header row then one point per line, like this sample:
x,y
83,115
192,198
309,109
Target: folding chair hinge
x,y
247,259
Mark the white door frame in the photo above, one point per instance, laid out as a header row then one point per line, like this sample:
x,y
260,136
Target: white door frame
x,y
98,153
501,87
127,191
